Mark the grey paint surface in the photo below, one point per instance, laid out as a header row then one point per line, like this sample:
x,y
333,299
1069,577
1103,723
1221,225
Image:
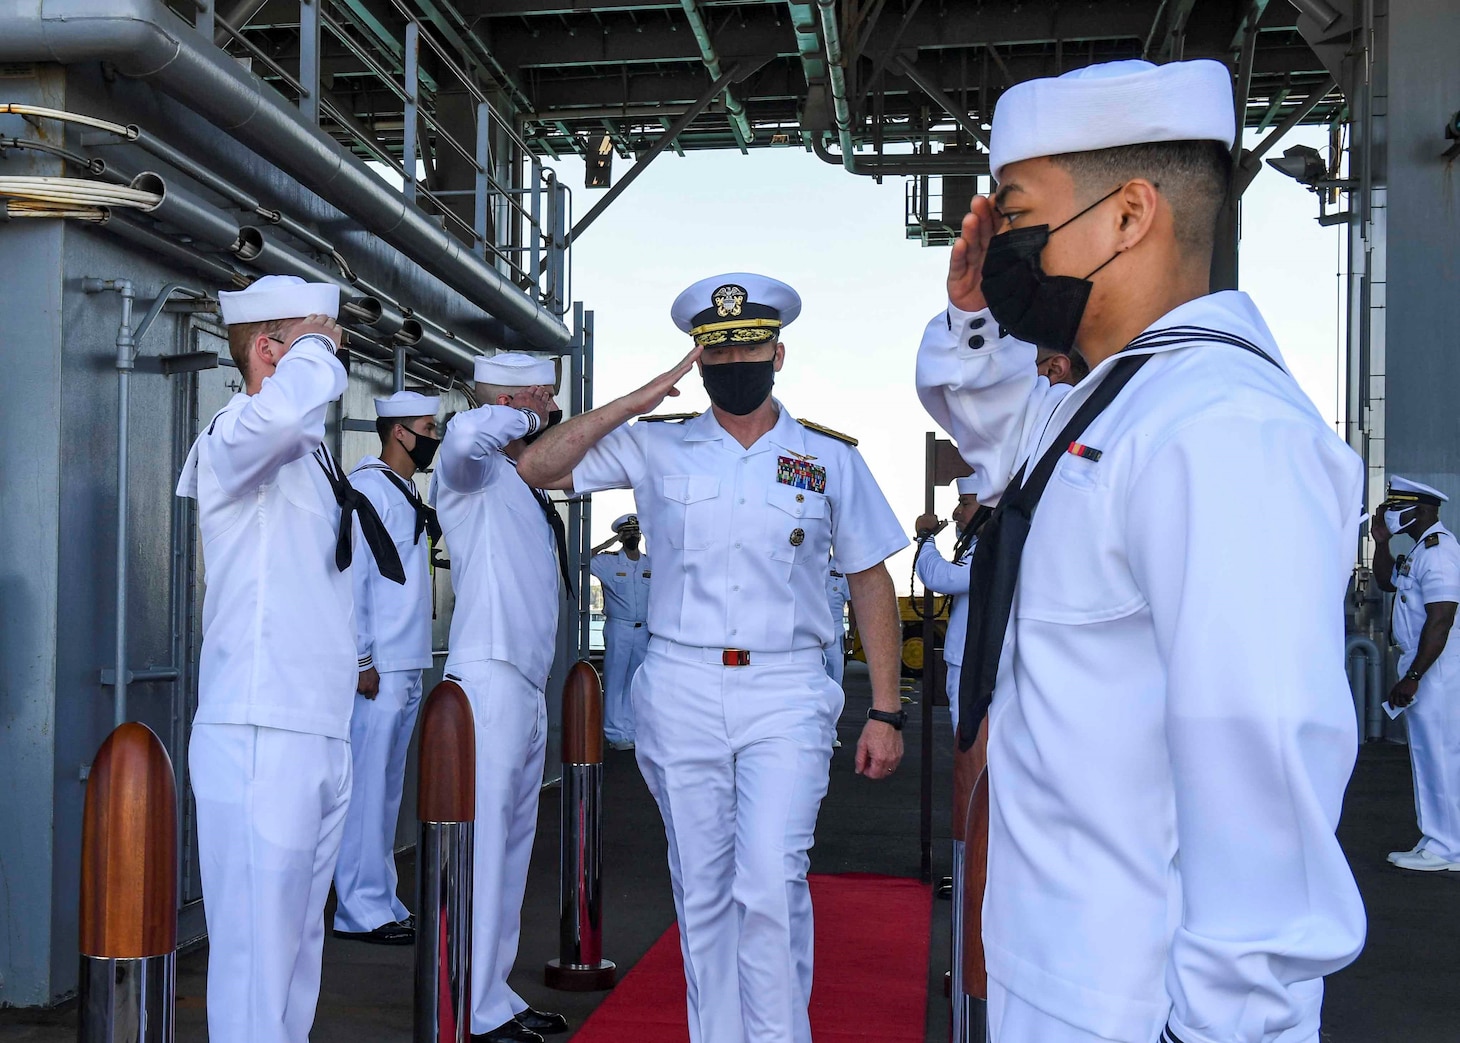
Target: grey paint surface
x,y
1422,358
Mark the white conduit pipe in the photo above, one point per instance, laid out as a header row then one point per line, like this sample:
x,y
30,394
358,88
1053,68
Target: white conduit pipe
x,y
72,192
66,117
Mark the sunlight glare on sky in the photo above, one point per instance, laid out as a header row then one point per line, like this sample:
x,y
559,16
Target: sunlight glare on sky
x,y
867,292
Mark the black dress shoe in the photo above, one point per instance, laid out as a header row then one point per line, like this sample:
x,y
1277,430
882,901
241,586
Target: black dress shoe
x,y
385,934
511,1032
546,1022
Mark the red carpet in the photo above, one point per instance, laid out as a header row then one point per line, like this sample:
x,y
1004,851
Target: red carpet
x,y
871,971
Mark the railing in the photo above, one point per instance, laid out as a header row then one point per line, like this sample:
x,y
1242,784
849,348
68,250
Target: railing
x,y
519,213
923,210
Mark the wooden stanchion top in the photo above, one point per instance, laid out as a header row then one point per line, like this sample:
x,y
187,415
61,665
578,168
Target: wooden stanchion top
x,y
129,849
448,757
582,715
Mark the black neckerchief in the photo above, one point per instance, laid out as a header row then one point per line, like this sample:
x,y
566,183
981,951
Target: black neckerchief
x,y
353,502
1000,548
426,520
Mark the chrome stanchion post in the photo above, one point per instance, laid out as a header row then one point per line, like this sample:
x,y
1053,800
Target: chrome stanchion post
x,y
128,912
446,807
580,966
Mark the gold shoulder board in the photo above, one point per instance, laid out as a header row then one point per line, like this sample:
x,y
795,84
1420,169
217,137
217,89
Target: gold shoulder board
x,y
1432,540
668,417
848,439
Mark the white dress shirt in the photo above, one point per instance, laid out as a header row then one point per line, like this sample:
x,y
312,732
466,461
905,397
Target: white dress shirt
x,y
504,566
392,621
625,583
942,576
1167,755
278,615
742,536
1428,576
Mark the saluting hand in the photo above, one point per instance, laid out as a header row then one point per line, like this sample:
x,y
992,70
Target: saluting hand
x,y
648,397
321,324
965,266
1378,529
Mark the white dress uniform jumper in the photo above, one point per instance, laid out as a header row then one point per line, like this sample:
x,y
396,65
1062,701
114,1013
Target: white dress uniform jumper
x,y
1431,574
393,628
1194,756
942,576
625,583
736,715
504,570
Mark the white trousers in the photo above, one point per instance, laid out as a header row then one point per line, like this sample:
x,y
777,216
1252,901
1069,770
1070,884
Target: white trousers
x,y
950,688
1434,754
271,809
737,760
836,661
380,739
511,732
624,647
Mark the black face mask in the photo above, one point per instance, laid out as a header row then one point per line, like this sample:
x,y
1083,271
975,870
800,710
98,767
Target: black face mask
x,y
554,416
1041,309
740,387
424,451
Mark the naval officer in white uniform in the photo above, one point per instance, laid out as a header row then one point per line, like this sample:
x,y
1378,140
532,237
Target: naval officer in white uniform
x,y
735,712
269,756
624,577
505,541
393,628
950,576
1167,754
1426,588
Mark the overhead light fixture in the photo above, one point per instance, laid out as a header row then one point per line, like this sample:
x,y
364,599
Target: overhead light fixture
x,y
1303,163
598,165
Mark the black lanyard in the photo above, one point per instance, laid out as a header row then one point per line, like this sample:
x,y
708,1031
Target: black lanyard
x,y
426,520
353,502
1000,548
560,535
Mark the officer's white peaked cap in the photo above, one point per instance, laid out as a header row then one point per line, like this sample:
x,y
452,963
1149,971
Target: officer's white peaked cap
x,y
966,486
276,297
625,519
514,370
1418,489
407,403
1115,103
735,309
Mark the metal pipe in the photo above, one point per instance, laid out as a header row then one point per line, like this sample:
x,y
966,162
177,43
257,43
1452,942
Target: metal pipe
x,y
739,121
186,212
836,74
932,90
959,1007
206,264
580,966
143,39
1367,688
974,164
128,901
446,808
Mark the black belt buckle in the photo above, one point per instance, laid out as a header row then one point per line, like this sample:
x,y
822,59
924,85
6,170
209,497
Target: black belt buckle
x,y
735,657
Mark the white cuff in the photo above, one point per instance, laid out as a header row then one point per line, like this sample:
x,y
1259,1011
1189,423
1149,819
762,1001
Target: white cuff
x,y
366,662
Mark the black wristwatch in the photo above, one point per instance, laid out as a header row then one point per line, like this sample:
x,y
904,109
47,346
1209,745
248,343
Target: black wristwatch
x,y
897,720
1413,675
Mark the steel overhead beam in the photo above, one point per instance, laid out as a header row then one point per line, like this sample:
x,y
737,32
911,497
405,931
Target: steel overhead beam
x,y
949,106
738,72
735,110
1251,158
1173,45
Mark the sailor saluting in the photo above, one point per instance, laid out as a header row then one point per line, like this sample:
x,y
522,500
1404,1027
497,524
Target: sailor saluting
x,y
1167,755
270,756
735,713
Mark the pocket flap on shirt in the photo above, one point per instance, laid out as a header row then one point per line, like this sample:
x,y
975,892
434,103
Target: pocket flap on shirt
x,y
798,503
690,488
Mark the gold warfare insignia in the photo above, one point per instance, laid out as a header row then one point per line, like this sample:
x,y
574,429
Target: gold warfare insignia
x,y
1432,540
798,537
729,300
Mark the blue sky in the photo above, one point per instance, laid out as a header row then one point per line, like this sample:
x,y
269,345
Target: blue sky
x,y
867,292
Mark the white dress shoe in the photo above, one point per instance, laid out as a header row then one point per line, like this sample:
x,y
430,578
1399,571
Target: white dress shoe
x,y
1394,856
1424,862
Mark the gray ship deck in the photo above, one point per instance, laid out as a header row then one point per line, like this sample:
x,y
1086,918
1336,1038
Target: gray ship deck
x,y
1403,987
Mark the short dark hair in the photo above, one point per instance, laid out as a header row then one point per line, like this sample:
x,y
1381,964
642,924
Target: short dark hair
x,y
1194,176
383,424
241,336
